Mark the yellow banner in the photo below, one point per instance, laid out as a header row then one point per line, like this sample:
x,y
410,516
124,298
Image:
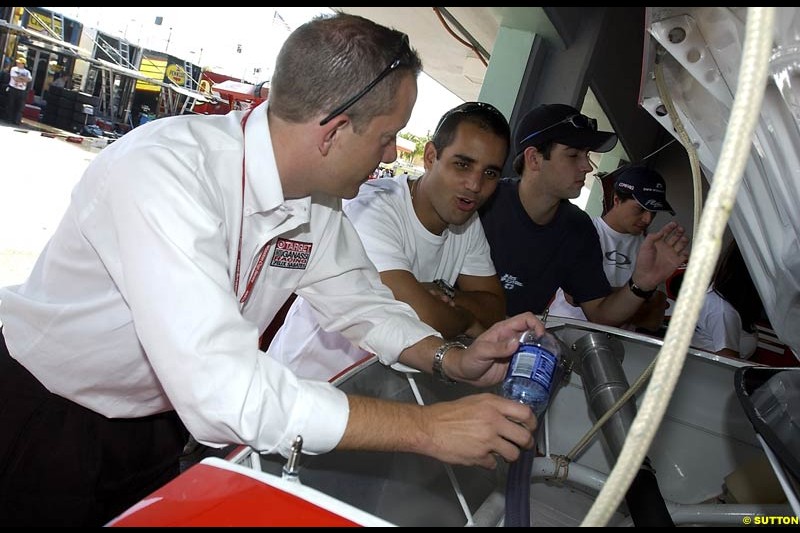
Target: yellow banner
x,y
152,68
33,24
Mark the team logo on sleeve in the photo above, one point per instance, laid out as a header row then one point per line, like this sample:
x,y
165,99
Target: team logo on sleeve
x,y
510,282
291,254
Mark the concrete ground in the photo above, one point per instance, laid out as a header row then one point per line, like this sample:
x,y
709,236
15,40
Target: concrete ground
x,y
37,174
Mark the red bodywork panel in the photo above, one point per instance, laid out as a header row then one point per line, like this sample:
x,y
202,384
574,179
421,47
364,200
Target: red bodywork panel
x,y
206,495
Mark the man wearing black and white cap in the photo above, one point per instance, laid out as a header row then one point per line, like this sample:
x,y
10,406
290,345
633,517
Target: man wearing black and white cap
x,y
644,185
540,241
639,194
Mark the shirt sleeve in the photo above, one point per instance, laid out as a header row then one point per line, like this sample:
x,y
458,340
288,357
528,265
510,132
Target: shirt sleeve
x,y
478,261
379,219
585,279
343,287
188,320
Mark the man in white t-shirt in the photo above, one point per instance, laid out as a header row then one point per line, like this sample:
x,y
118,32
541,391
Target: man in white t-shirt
x,y
426,240
639,194
19,79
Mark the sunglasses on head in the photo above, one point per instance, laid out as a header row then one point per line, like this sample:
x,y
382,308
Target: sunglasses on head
x,y
577,121
469,108
391,67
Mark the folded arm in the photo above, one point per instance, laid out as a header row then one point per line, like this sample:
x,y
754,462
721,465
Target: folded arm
x,y
431,305
483,296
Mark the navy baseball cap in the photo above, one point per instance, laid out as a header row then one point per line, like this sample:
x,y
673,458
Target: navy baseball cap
x,y
646,186
563,124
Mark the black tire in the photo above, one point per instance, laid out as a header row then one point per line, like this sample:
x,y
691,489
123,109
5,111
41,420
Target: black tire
x,y
65,102
63,123
78,106
69,95
86,98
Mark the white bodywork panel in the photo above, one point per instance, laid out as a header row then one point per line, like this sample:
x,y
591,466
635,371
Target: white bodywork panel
x,y
703,48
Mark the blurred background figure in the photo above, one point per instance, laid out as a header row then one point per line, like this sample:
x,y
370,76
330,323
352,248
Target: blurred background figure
x,y
19,80
727,321
59,80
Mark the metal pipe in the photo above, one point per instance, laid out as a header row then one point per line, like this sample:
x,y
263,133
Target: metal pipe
x,y
550,468
598,360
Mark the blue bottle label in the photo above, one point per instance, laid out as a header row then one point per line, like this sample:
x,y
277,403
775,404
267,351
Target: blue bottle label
x,y
534,363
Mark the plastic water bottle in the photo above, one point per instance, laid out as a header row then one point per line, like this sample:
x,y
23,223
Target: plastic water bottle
x,y
534,373
534,370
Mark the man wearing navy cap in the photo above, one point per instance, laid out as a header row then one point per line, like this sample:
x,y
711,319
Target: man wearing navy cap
x,y
540,241
646,187
639,194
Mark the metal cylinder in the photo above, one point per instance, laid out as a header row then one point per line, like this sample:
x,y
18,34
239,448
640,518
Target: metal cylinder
x,y
597,358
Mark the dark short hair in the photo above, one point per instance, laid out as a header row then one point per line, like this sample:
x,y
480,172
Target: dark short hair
x,y
608,201
483,115
732,281
327,60
623,196
519,161
646,186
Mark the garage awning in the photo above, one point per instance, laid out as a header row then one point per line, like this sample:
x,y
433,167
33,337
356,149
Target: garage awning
x,y
404,145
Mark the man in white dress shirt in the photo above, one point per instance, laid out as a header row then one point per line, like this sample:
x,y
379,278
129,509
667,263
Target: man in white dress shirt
x,y
141,317
426,240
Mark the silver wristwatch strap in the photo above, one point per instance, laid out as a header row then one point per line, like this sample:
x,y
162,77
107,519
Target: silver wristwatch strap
x,y
447,289
438,360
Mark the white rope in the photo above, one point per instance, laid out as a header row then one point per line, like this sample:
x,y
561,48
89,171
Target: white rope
x,y
721,198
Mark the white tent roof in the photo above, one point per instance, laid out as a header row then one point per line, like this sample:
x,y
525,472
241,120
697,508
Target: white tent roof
x,y
404,145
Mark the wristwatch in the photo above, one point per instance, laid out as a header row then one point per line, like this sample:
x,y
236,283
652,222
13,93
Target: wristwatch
x,y
447,289
638,291
438,361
